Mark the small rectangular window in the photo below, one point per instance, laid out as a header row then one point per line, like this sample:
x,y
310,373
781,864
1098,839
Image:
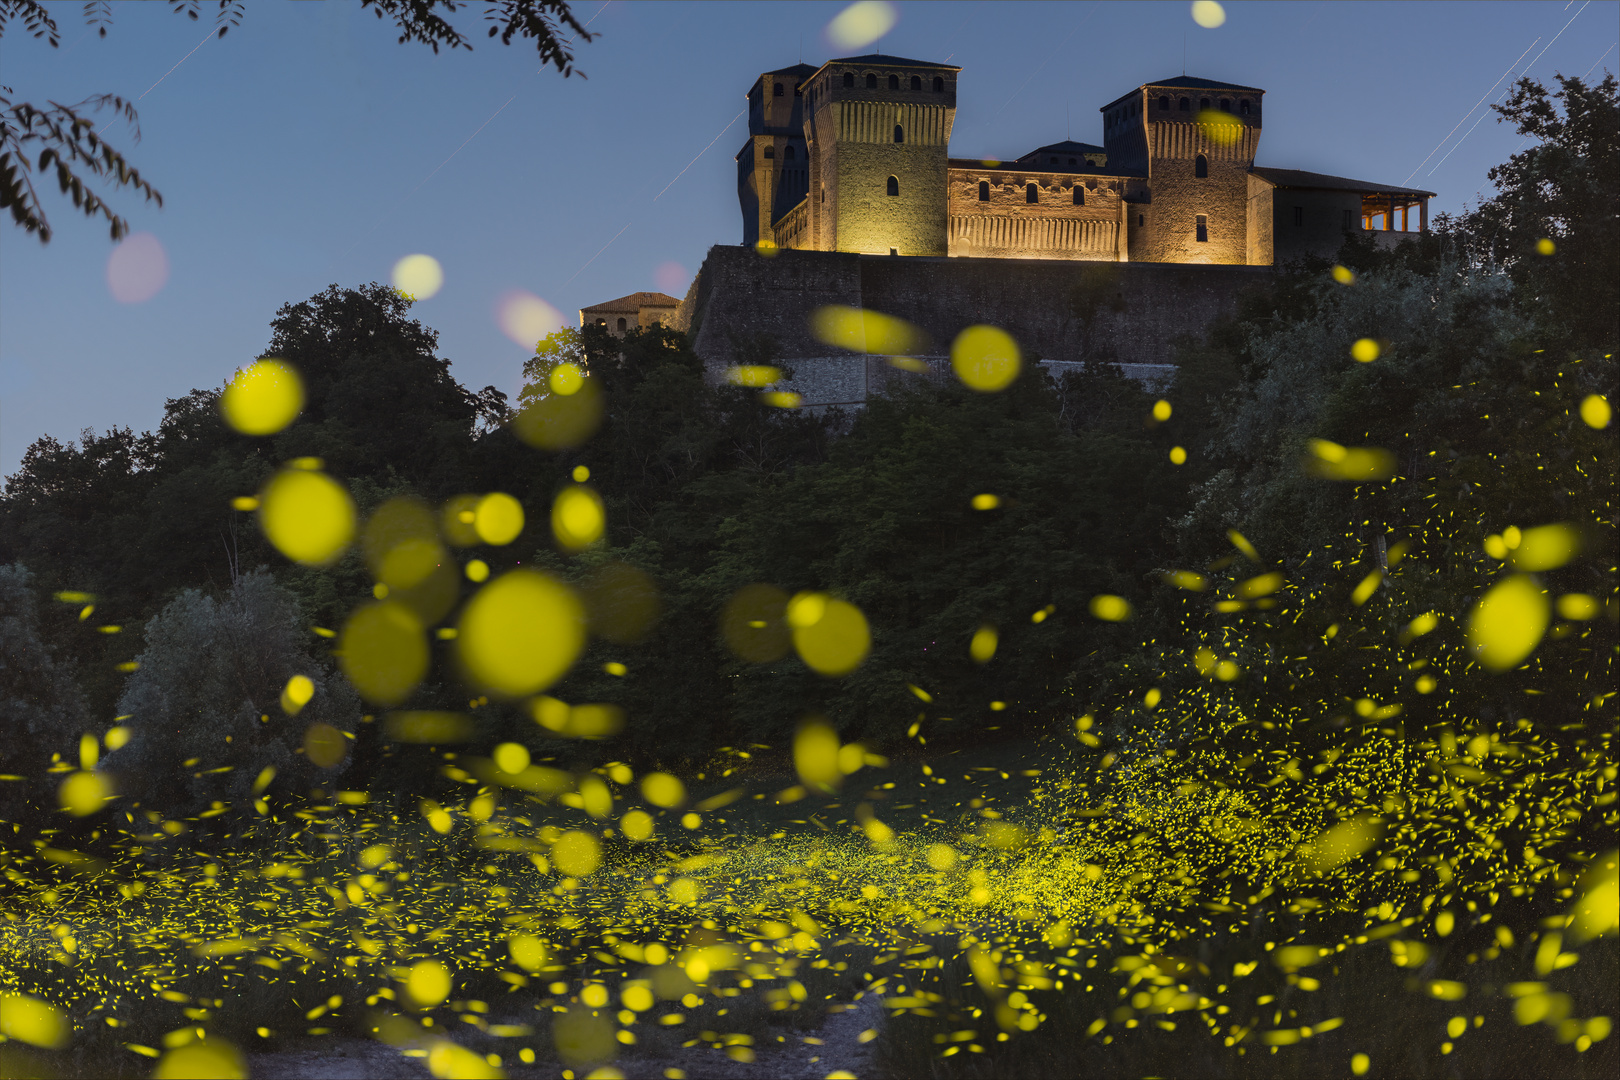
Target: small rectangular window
x,y
1203,229
1299,215
1347,219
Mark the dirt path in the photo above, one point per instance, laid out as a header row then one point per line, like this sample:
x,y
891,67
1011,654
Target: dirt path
x,y
839,1050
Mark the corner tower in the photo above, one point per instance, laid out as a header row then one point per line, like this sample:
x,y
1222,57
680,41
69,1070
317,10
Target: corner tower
x,y
878,130
1195,140
772,168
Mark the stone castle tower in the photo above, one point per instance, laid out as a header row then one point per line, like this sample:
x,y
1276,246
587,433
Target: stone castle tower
x,y
773,172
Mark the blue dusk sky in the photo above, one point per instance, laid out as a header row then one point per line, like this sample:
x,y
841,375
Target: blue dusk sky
x,y
308,148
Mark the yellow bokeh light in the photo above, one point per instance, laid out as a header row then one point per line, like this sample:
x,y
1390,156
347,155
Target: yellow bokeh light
x,y
782,399
1161,410
35,1022
511,757
307,516
1359,1064
1365,350
262,398
815,755
637,825
213,1059
1187,579
299,689
427,983
985,359
1178,455
580,474
559,421
1342,842
1331,461
477,571
418,276
941,856
1208,14
528,952
806,609
566,379
753,623
576,853
836,643
663,790
1508,623
1344,275
862,23
1545,246
578,517
498,518
983,646
1111,608
1546,547
986,502
383,651
84,793
325,745
117,737
637,996
859,330
1577,606
1595,411
520,633
754,375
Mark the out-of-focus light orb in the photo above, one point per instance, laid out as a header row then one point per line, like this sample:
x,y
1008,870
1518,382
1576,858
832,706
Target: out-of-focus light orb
x,y
418,276
815,755
1111,608
755,375
637,825
83,793
983,646
671,278
528,952
1364,351
325,745
215,1058
862,23
1577,606
498,519
299,689
781,399
806,609
836,643
1595,411
427,983
578,518
1545,246
477,571
1344,275
511,757
1161,410
1507,624
566,379
986,501
33,1021
986,359
262,398
520,633
580,474
662,789
525,318
1178,455
307,515
137,269
860,330
1208,14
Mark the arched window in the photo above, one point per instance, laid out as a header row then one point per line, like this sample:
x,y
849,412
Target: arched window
x,y
939,85
770,152
899,133
871,81
798,91
1203,103
849,80
1226,104
1184,105
788,154
894,82
916,82
1164,103
621,325
1032,193
894,185
984,191
1243,106
1073,163
1201,166
1079,195
777,91
1201,224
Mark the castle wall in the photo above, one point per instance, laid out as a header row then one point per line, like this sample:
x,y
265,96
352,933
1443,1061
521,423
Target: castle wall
x,y
1322,218
1009,226
1179,196
739,293
858,157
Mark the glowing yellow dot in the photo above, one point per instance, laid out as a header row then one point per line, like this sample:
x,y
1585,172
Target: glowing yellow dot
x,y
806,609
262,398
636,996
941,856
520,633
986,502
498,519
1111,608
782,399
119,736
578,518
983,646
754,375
427,983
1161,410
985,359
1343,275
997,706
837,642
1178,455
325,745
581,474
1425,684
1577,606
1595,411
244,503
1508,623
662,789
383,652
691,821
594,995
1545,246
528,952
566,379
1365,350
84,793
418,276
861,23
1208,14
299,690
815,755
577,853
637,825
308,516
477,571
511,758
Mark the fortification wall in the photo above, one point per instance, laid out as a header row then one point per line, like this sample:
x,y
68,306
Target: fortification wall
x,y
739,294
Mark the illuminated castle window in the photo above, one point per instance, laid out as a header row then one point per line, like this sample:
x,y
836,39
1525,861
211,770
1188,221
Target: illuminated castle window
x,y
899,133
1201,167
1202,225
894,185
1032,193
984,191
1079,195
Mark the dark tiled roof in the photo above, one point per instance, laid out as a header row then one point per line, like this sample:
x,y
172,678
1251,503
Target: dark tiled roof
x,y
1184,82
879,60
796,69
635,302
1297,178
1068,146
991,164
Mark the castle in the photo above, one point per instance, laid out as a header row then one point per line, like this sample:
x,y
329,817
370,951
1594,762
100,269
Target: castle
x,y
850,197
854,156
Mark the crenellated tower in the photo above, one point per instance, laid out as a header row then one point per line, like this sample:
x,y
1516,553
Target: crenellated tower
x,y
773,167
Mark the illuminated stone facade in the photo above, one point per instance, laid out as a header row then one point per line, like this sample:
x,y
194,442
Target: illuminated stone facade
x,y
853,156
